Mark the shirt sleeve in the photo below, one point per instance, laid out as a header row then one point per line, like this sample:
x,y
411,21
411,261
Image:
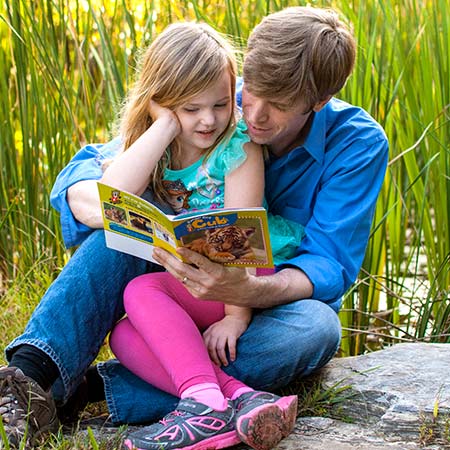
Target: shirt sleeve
x,y
230,154
85,165
336,236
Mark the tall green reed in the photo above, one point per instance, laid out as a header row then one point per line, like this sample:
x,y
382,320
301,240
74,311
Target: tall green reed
x,y
403,79
67,65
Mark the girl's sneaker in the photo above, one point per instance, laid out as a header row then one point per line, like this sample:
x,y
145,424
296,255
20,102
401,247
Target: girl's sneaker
x,y
192,426
264,419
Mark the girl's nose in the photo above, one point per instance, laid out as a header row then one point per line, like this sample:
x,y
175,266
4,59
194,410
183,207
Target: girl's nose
x,y
208,117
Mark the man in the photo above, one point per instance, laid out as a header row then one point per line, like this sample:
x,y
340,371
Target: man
x,y
326,165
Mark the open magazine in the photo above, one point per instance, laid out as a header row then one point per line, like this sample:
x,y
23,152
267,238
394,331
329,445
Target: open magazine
x,y
234,237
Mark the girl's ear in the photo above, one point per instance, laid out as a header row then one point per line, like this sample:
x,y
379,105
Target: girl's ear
x,y
318,106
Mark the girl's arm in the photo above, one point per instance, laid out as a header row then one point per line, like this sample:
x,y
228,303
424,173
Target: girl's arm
x,y
130,171
244,188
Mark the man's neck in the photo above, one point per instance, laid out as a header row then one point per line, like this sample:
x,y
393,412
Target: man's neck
x,y
285,147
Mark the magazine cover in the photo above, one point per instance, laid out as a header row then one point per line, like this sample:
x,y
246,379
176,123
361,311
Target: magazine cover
x,y
234,237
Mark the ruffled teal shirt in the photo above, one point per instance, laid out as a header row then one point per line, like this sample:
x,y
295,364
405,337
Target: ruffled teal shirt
x,y
202,184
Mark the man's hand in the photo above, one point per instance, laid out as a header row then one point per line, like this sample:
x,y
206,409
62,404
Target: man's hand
x,y
208,280
223,334
234,286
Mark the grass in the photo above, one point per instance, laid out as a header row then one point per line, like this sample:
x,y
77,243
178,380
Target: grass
x,y
67,64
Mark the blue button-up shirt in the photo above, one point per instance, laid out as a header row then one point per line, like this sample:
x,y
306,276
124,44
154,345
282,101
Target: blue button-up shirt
x,y
329,185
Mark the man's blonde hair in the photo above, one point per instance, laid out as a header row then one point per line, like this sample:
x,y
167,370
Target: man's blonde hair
x,y
183,61
299,54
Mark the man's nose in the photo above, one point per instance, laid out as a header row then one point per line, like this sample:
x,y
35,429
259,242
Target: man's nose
x,y
256,112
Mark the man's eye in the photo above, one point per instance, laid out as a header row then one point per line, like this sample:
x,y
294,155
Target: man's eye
x,y
280,107
221,105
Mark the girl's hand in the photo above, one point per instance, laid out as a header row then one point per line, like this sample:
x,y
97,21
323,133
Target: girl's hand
x,y
158,112
221,335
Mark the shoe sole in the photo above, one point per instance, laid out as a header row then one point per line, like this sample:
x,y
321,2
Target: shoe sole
x,y
44,432
265,426
214,442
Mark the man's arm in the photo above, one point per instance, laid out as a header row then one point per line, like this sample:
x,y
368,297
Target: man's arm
x,y
74,194
234,286
84,202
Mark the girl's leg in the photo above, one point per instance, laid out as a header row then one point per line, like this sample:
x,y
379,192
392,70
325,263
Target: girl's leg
x,y
154,306
259,412
133,352
169,341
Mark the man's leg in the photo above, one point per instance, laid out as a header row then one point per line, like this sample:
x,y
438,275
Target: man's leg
x,y
285,343
80,308
280,345
63,337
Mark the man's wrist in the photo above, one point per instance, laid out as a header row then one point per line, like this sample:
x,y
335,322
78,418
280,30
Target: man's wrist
x,y
285,286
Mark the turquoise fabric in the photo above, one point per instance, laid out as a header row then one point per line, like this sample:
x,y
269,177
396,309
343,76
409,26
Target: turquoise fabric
x,y
285,237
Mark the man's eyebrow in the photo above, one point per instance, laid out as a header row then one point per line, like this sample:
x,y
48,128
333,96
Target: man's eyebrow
x,y
280,102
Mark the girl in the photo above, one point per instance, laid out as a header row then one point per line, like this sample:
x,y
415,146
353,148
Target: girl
x,y
182,139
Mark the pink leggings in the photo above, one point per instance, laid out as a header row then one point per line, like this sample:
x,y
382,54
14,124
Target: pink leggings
x,y
160,340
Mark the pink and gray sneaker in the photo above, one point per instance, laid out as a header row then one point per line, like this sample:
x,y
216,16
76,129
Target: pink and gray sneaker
x,y
264,419
192,426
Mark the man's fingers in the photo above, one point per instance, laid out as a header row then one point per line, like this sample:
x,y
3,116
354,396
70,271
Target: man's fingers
x,y
198,260
232,348
222,344
172,264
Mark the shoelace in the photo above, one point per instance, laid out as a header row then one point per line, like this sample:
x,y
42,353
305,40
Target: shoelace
x,y
166,420
9,404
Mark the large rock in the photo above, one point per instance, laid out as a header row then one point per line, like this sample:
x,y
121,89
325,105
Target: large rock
x,y
399,399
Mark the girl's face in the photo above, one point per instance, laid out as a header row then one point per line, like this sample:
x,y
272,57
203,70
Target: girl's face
x,y
205,117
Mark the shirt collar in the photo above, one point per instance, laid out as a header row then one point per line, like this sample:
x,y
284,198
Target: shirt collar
x,y
315,141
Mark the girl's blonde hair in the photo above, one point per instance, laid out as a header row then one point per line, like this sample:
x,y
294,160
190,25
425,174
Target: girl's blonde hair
x,y
182,62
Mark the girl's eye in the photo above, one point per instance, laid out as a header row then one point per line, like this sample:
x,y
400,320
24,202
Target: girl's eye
x,y
190,110
221,105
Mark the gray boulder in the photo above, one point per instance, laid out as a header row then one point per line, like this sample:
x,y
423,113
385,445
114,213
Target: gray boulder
x,y
399,398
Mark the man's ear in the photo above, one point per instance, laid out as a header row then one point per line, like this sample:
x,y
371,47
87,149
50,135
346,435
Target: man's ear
x,y
318,106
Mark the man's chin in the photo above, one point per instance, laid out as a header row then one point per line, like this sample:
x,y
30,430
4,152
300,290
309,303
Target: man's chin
x,y
261,140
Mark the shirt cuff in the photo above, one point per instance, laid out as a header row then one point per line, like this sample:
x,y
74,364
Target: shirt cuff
x,y
326,276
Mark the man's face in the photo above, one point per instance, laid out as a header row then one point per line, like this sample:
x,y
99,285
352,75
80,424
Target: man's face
x,y
273,123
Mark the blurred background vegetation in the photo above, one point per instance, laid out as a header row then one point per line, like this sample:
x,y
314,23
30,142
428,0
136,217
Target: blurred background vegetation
x,y
66,65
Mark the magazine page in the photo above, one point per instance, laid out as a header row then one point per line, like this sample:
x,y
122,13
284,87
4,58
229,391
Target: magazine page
x,y
234,237
133,225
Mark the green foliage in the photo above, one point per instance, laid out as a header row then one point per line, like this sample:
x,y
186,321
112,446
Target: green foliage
x,y
402,78
67,65
316,401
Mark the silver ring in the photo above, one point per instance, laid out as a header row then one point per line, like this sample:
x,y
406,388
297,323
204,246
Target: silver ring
x,y
184,280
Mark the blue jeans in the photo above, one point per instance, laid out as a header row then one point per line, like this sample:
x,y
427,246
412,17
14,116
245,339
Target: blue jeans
x,y
85,301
